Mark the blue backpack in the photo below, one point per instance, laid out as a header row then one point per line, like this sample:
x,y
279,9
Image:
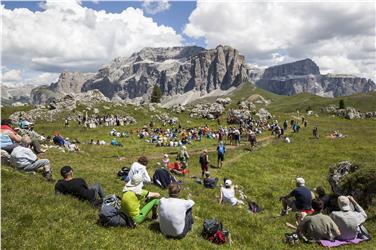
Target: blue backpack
x,y
221,149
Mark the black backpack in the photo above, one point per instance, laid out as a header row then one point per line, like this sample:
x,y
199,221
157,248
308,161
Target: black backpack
x,y
123,173
110,214
202,159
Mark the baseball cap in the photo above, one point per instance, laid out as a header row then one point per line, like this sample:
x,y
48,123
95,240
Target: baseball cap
x,y
228,183
344,203
135,184
65,170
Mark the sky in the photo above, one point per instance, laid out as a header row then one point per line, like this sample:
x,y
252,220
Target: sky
x,y
42,39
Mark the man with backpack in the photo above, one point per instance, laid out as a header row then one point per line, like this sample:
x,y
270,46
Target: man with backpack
x,y
221,150
175,214
78,188
132,197
204,162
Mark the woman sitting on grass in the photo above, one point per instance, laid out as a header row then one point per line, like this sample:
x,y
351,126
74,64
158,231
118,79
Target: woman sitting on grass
x,y
228,194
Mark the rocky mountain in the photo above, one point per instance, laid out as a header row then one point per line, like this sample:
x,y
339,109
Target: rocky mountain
x,y
177,70
304,76
12,95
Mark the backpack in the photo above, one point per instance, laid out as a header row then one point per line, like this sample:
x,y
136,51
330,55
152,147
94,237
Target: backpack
x,y
221,149
163,178
123,173
213,231
202,159
254,207
110,214
210,182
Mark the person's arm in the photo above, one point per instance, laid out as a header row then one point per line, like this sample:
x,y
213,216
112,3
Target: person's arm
x,y
146,176
189,204
221,197
361,215
291,194
29,154
153,195
14,137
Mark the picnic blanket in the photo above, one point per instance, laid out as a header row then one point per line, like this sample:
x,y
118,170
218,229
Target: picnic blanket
x,y
336,243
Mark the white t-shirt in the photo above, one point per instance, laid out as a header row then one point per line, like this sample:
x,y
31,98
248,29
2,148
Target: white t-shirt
x,y
228,195
172,215
138,168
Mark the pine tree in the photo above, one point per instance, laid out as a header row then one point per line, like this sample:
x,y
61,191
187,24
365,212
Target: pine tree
x,y
156,94
341,104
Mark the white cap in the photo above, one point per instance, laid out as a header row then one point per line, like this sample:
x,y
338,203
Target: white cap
x,y
344,203
300,181
135,184
228,183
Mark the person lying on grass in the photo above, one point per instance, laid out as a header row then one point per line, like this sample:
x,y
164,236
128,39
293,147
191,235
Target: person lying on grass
x,y
132,197
78,188
23,158
140,167
302,199
318,226
175,215
228,194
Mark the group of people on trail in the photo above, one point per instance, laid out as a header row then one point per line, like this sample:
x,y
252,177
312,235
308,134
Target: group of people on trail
x,y
313,224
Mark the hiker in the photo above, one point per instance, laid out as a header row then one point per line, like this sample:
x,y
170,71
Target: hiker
x,y
320,194
315,133
285,125
139,167
204,162
115,143
228,194
302,199
221,150
175,215
23,158
210,182
162,177
133,194
252,138
183,157
11,139
78,188
318,226
348,220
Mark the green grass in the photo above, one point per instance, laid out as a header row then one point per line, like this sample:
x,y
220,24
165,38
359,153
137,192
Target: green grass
x,y
34,218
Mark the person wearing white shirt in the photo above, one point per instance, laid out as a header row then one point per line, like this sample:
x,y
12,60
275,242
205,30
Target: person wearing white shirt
x,y
139,167
175,215
228,194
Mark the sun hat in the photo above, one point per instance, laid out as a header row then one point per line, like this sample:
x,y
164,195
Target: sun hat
x,y
344,203
228,183
300,181
135,184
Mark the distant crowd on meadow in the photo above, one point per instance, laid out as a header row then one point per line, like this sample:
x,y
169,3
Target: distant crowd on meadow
x,y
318,218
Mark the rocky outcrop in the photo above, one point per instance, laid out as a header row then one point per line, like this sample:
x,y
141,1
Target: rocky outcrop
x,y
176,70
348,112
208,111
304,76
68,83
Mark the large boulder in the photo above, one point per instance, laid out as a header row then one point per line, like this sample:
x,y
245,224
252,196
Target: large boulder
x,y
346,178
208,111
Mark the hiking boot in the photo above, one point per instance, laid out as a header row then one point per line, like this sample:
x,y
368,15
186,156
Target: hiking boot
x,y
48,177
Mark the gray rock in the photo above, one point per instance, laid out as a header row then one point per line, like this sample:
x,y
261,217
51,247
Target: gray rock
x,y
208,111
263,114
223,101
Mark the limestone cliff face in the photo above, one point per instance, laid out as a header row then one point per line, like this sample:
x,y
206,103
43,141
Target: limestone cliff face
x,y
304,76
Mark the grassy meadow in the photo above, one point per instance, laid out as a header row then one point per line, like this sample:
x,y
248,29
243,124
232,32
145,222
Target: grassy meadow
x,y
32,217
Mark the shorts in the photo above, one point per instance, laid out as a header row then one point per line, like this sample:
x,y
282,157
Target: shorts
x,y
204,167
221,157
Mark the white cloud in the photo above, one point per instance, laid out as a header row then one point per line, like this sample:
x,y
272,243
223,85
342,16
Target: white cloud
x,y
13,75
154,7
67,36
340,37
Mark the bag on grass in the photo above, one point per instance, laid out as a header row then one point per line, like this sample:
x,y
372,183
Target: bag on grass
x,y
254,207
213,231
110,214
123,173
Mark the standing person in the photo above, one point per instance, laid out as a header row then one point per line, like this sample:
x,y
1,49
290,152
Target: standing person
x,y
78,188
348,220
132,197
285,125
318,226
315,133
204,162
175,214
23,158
140,167
302,199
221,150
252,138
183,157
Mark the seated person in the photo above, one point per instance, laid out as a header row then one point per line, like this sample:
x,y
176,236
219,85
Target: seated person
x,y
348,220
302,201
78,188
165,161
318,226
228,194
162,177
58,139
175,215
140,167
131,200
115,143
23,158
320,194
210,182
177,168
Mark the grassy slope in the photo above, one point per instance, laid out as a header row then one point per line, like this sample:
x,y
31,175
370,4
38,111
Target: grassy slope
x,y
33,217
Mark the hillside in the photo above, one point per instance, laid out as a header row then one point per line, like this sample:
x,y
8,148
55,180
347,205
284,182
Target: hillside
x,y
34,218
